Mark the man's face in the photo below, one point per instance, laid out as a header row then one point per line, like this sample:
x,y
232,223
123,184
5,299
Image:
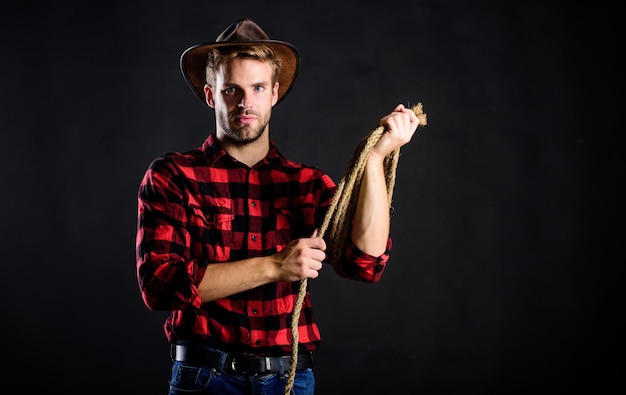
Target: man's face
x,y
243,97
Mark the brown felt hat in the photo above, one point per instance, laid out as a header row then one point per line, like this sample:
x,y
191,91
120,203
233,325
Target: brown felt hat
x,y
244,31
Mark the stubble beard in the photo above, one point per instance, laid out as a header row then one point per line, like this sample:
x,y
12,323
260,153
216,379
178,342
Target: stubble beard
x,y
244,134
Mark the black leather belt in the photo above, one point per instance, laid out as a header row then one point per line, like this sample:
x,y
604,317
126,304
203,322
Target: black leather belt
x,y
238,363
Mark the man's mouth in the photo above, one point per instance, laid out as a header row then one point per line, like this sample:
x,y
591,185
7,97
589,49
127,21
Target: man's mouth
x,y
246,119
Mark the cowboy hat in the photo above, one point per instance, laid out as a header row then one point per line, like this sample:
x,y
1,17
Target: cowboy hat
x,y
193,60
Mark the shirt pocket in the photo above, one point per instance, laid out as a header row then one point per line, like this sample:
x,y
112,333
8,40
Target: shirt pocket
x,y
294,222
211,232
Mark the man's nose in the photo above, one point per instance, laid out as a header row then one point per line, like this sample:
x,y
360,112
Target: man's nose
x,y
244,102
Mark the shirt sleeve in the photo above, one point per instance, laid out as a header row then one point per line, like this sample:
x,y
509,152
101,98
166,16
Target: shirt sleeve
x,y
358,265
351,262
165,271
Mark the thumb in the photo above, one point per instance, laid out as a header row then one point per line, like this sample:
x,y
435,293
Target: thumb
x,y
399,107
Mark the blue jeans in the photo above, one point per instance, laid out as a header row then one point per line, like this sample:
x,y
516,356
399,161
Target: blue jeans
x,y
203,380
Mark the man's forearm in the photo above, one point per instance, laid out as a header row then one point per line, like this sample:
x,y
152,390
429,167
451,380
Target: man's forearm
x,y
225,279
370,229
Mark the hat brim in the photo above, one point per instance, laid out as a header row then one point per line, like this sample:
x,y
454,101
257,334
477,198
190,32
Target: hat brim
x,y
193,64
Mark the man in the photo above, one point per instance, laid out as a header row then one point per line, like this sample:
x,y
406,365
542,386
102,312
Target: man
x,y
227,231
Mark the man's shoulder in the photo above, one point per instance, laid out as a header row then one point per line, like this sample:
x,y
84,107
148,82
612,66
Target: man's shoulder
x,y
301,166
178,158
306,172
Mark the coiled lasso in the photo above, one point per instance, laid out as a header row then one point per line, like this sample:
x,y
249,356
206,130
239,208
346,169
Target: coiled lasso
x,y
341,208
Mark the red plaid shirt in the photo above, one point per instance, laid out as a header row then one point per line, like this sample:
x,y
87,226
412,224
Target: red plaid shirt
x,y
203,206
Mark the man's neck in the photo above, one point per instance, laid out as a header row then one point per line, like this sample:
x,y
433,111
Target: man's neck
x,y
250,153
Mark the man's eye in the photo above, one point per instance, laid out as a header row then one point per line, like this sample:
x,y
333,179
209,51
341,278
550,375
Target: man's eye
x,y
259,88
229,91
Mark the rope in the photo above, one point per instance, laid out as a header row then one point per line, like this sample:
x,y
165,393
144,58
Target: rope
x,y
343,206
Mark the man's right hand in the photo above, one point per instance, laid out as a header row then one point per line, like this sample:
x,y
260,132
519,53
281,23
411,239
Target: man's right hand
x,y
300,259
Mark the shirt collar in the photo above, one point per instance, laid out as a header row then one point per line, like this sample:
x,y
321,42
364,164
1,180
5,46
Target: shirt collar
x,y
215,152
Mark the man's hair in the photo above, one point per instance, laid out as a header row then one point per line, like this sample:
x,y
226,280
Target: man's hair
x,y
223,55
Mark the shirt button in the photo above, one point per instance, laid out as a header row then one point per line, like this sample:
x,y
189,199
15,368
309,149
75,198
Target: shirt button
x,y
253,204
253,238
257,342
253,311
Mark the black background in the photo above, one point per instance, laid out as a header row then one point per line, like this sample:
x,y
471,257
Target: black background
x,y
508,225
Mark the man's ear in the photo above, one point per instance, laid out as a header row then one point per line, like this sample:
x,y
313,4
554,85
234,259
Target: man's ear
x,y
208,96
275,94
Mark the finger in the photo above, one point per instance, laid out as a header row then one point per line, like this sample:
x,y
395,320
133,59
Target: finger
x,y
320,243
314,242
317,257
311,274
405,119
317,243
412,117
313,268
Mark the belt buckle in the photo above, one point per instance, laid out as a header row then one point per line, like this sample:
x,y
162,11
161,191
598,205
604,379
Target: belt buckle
x,y
233,364
267,365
